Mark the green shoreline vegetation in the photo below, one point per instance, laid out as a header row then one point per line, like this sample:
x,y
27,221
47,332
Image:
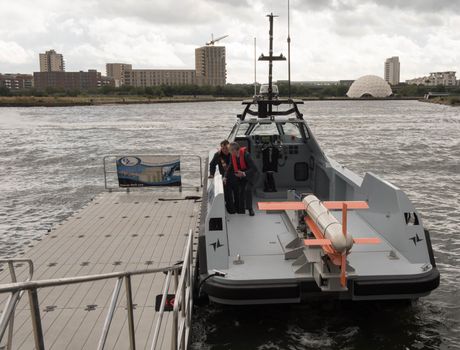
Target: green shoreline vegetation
x,y
190,93
449,100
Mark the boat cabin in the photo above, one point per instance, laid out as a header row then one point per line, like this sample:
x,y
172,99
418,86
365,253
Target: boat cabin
x,y
285,152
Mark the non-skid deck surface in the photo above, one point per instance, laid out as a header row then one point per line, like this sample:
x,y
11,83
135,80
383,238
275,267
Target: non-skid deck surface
x,y
117,231
256,240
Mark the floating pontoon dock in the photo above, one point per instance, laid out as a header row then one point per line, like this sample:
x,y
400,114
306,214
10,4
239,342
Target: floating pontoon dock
x,y
117,232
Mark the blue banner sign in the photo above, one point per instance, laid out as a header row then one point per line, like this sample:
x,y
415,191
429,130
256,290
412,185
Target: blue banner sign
x,y
143,171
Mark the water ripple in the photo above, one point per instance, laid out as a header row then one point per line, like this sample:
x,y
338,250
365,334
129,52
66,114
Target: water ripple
x,y
51,166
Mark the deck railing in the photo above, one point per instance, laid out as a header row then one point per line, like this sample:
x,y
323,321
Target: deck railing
x,y
7,317
182,306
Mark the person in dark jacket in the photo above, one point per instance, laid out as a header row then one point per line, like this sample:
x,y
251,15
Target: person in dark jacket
x,y
245,170
222,160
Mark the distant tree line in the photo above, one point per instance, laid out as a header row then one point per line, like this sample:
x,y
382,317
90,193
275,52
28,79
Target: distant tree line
x,y
229,90
406,90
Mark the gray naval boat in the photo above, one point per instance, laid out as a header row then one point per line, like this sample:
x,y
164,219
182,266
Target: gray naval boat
x,y
320,230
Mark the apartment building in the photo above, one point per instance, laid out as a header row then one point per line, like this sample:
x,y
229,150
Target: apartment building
x,y
91,79
16,81
157,77
447,78
443,78
392,70
51,61
210,65
210,69
116,71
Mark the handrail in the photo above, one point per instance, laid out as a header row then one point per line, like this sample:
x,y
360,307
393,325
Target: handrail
x,y
11,263
107,156
183,302
18,288
11,287
13,300
162,310
108,319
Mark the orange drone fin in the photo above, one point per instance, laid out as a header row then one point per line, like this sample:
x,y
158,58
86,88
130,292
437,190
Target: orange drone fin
x,y
343,260
331,205
343,271
316,242
367,240
338,205
281,206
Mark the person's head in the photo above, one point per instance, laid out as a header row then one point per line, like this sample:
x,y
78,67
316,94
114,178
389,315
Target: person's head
x,y
234,148
224,146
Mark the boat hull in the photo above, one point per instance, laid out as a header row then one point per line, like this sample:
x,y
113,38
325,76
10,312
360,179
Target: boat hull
x,y
224,291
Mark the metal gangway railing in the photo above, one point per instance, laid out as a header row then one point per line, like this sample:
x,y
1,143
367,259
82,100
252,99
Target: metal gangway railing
x,y
182,274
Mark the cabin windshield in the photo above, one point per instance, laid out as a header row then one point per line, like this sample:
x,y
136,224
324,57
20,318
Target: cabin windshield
x,y
296,130
265,129
242,130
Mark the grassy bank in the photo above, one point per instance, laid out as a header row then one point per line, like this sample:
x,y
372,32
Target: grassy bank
x,y
63,101
448,101
53,97
96,100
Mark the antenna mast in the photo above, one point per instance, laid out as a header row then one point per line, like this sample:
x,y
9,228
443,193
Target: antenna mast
x,y
270,58
289,48
255,66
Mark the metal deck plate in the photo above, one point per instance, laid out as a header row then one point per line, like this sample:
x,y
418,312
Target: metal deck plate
x,y
255,239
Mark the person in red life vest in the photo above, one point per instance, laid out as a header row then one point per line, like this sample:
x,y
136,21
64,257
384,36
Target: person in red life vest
x,y
245,170
222,160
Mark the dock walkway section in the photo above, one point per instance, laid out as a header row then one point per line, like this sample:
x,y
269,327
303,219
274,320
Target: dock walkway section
x,y
116,231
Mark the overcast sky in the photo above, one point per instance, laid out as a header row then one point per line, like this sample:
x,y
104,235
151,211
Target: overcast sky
x,y
331,39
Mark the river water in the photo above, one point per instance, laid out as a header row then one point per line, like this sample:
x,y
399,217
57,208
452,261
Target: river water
x,y
50,166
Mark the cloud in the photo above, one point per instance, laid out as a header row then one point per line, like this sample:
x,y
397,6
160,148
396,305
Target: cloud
x,y
419,5
331,39
12,53
185,12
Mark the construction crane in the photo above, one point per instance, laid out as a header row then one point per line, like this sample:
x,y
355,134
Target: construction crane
x,y
213,41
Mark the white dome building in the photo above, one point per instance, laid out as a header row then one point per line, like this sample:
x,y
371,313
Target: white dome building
x,y
369,86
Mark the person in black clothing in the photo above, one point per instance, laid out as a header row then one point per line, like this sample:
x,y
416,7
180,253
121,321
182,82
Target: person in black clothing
x,y
222,160
244,169
270,156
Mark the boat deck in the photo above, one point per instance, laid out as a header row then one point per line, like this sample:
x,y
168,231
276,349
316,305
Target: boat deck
x,y
116,231
259,242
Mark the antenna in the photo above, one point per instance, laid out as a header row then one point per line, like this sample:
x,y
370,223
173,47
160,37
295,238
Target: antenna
x,y
270,58
289,48
255,66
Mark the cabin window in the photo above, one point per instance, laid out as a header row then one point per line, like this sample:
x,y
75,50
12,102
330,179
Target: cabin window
x,y
292,130
242,130
215,224
411,218
265,129
233,132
